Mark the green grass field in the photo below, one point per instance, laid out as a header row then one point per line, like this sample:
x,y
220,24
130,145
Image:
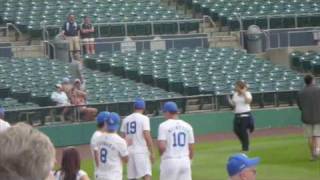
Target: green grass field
x,y
283,158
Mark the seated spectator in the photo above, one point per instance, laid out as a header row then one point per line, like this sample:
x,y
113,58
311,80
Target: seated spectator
x,y
59,96
66,85
241,167
79,97
26,154
4,125
70,166
61,99
87,35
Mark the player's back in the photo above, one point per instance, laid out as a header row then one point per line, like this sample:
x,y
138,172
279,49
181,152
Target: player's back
x,y
178,134
133,126
111,148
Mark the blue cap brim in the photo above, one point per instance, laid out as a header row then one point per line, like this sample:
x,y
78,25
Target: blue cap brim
x,y
113,127
253,162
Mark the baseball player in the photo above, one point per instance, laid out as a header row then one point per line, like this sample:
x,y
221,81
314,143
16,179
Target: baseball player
x,y
101,126
175,142
136,130
241,167
112,151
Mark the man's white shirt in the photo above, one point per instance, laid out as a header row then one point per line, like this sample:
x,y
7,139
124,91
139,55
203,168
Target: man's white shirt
x,y
178,135
111,148
60,98
133,126
4,125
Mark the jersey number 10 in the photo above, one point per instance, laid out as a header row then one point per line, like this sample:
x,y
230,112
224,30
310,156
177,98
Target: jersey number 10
x,y
179,139
131,127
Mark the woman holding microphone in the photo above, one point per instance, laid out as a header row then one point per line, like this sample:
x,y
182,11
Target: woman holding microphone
x,y
243,120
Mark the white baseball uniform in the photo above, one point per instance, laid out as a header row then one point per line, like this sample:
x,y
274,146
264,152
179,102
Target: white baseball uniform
x,y
175,161
111,148
93,145
139,164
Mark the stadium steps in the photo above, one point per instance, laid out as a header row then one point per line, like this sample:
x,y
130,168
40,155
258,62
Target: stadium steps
x,y
217,36
195,105
27,51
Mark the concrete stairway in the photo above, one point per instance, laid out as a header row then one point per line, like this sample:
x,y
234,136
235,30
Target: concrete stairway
x,y
22,46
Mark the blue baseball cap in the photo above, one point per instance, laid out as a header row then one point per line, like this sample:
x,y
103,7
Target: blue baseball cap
x,y
239,162
170,107
113,122
102,117
2,111
66,80
139,104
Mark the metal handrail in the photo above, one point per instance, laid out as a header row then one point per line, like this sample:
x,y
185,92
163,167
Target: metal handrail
x,y
50,44
14,27
155,40
288,29
152,23
140,22
210,20
276,15
5,28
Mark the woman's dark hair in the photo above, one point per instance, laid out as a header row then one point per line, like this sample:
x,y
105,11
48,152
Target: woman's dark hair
x,y
70,164
241,84
308,79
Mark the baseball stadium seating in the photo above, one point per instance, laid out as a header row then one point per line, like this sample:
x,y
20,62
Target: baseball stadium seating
x,y
29,14
308,62
198,71
29,82
30,79
103,87
282,13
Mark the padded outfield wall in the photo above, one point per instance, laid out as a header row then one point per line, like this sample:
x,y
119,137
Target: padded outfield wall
x,y
203,123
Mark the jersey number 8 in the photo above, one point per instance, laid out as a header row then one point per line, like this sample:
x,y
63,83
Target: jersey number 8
x,y
131,127
103,155
179,139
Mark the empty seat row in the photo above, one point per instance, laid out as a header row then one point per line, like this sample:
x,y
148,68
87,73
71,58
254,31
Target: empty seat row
x,y
281,13
31,15
308,62
198,71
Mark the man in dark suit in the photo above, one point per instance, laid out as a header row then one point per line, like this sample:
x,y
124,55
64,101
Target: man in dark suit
x,y
309,104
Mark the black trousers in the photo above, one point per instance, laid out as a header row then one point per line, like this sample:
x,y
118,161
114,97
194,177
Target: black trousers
x,y
242,124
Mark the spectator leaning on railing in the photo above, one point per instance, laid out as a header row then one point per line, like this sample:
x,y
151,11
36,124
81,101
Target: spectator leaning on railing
x,y
87,35
71,32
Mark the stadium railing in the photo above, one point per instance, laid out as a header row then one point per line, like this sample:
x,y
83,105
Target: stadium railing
x,y
205,19
241,18
44,49
198,40
287,37
52,114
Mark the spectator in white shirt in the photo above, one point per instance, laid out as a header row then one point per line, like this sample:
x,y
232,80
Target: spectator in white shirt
x,y
60,97
243,120
4,125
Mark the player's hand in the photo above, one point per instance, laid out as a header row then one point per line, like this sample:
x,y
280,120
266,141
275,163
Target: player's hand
x,y
152,158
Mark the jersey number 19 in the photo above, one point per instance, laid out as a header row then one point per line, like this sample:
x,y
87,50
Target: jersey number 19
x,y
131,127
